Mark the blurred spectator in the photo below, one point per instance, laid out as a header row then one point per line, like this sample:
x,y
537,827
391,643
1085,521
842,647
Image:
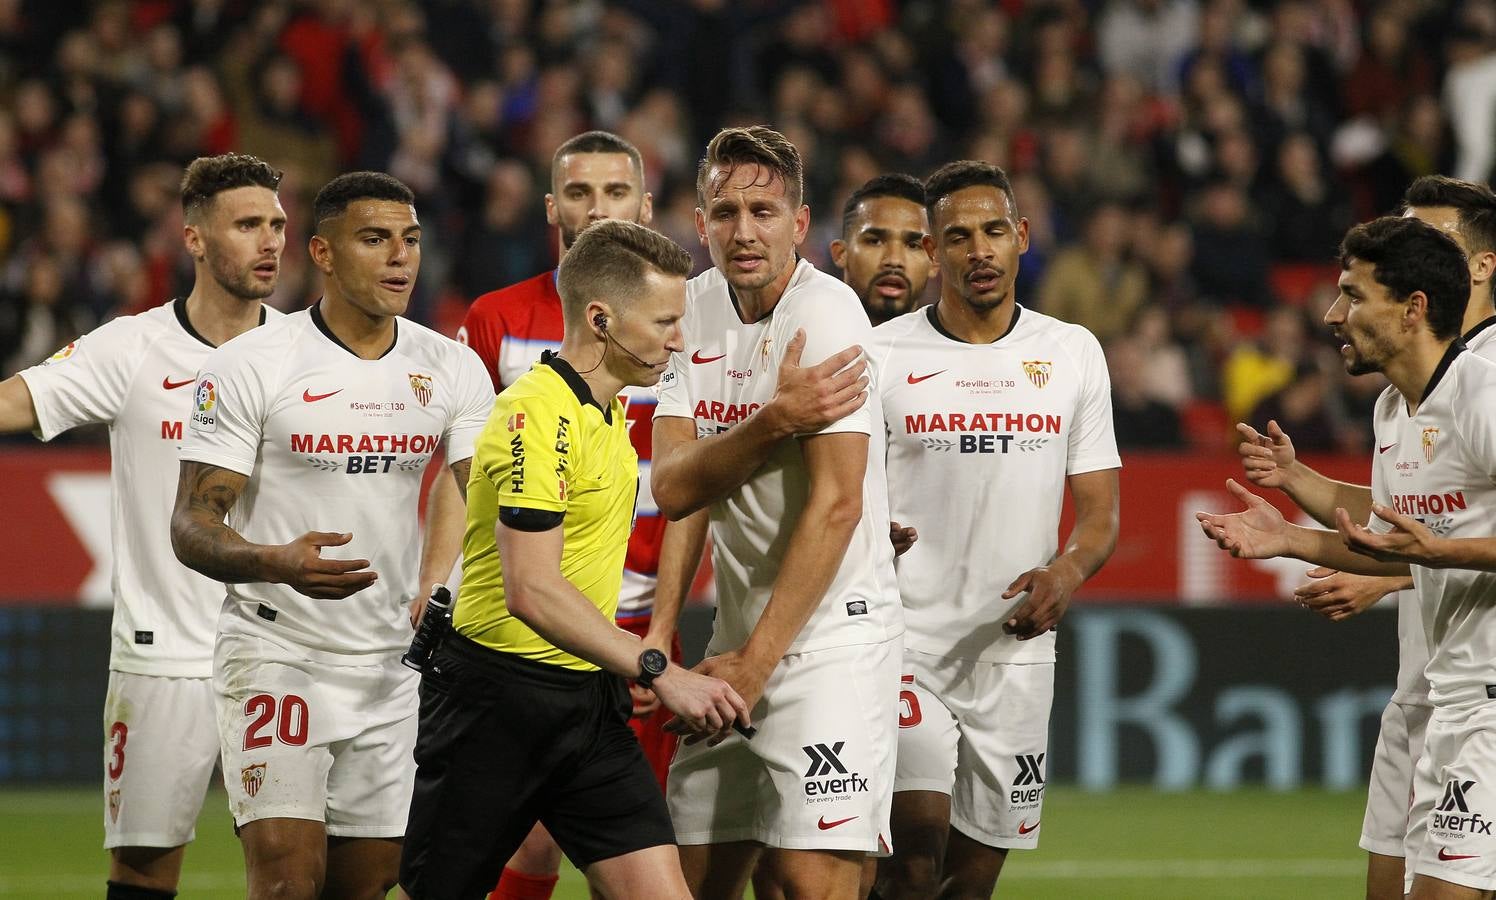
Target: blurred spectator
x,y
1307,215
40,318
1146,38
1304,410
1142,421
508,243
1096,284
1389,71
1231,251
1259,369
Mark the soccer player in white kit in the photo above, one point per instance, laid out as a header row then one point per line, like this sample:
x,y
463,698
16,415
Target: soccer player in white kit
x,y
990,408
808,622
307,435
1403,294
1467,213
161,740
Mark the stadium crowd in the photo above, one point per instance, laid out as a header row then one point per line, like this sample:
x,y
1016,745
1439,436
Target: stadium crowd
x,y
1187,166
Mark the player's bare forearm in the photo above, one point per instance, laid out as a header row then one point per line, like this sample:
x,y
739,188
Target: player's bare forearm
x,y
1097,500
837,464
1328,549
1319,495
540,596
1478,554
689,473
680,557
199,537
446,522
17,411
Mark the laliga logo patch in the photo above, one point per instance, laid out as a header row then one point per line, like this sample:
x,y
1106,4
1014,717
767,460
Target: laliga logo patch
x,y
421,386
114,805
61,355
1038,372
516,422
1429,436
204,402
253,776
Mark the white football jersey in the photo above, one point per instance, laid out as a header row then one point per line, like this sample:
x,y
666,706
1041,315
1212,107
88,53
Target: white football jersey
x,y
135,374
1412,645
332,442
981,438
1439,466
727,371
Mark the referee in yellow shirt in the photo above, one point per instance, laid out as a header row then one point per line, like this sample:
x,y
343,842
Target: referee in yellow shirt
x,y
524,711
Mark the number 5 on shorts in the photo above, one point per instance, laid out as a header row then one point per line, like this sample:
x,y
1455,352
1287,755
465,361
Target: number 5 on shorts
x,y
291,724
909,714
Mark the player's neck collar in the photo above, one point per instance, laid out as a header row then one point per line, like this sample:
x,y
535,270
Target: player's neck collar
x,y
1456,347
179,306
574,381
1477,328
321,323
934,318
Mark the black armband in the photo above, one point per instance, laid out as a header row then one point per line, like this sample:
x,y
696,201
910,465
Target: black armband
x,y
522,518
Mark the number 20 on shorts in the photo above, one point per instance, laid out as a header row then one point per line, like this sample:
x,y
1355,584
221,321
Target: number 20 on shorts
x,y
290,717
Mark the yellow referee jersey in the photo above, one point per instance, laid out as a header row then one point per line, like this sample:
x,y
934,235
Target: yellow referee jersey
x,y
548,446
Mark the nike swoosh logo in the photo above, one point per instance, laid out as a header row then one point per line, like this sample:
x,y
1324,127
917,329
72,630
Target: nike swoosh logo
x,y
1386,448
698,359
1025,828
1446,856
827,826
310,397
913,380
173,385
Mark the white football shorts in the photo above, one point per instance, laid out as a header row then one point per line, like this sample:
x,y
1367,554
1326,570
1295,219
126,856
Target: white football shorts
x,y
308,740
160,747
819,773
1454,800
978,731
1390,792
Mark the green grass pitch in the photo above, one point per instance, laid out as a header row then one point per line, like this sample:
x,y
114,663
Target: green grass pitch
x,y
1131,843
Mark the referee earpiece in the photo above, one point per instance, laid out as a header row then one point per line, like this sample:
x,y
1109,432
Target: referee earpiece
x,y
600,321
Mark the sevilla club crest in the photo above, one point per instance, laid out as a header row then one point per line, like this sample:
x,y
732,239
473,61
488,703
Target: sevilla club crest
x,y
1038,372
421,386
253,776
1429,436
114,805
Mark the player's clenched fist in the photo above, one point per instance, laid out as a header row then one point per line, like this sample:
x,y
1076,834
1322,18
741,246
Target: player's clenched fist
x,y
300,564
808,399
704,705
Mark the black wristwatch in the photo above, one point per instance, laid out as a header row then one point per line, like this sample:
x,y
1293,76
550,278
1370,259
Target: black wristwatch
x,y
652,665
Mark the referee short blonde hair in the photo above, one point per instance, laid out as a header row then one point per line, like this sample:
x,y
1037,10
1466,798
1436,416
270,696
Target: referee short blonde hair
x,y
610,261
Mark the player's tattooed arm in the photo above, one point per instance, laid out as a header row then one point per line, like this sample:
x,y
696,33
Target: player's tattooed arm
x,y
203,542
17,411
460,472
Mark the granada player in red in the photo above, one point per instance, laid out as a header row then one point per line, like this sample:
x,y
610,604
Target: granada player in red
x,y
595,175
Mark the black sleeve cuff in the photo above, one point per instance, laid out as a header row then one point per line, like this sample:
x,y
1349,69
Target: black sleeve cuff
x,y
522,518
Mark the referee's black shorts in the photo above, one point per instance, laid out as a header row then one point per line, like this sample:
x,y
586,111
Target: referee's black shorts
x,y
505,742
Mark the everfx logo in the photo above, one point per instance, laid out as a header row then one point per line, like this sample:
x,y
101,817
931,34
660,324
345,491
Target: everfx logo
x,y
824,760
1454,796
1030,769
1449,815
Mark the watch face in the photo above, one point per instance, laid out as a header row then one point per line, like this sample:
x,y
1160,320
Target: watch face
x,y
653,661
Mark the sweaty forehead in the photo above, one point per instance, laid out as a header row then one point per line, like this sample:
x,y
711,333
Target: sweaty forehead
x,y
1444,218
595,168
389,214
891,214
747,180
978,203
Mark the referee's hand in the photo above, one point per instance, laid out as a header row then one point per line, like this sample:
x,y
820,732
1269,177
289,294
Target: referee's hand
x,y
705,707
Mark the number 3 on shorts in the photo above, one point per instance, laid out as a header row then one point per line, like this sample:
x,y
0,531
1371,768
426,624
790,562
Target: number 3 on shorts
x,y
290,725
909,714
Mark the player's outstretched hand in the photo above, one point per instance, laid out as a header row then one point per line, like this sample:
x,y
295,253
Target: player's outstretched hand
x,y
1258,532
1265,458
901,537
808,399
1049,589
705,707
300,564
1339,595
1409,541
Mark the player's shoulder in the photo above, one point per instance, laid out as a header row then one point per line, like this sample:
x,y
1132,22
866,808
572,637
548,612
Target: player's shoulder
x,y
708,282
522,295
147,325
810,284
1475,374
1034,327
276,338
